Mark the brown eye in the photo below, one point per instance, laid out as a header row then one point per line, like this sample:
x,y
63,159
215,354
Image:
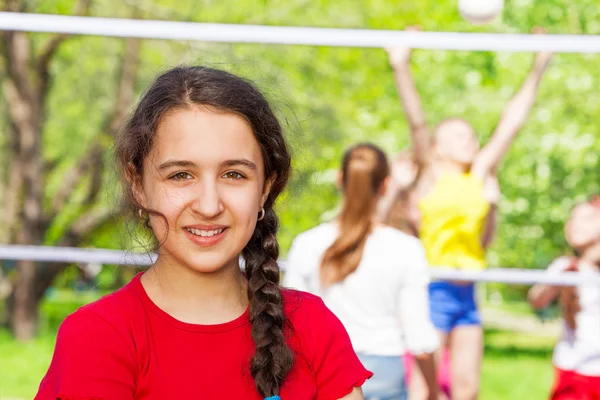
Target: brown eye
x,y
181,176
233,175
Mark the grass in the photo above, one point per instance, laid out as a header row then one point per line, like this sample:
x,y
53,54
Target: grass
x,y
23,365
516,365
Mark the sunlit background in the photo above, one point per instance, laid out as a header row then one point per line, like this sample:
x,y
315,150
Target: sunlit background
x,y
329,98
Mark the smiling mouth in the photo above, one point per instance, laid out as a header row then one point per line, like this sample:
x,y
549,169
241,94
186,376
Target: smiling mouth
x,y
205,233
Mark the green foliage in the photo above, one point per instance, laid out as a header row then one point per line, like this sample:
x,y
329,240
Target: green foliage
x,y
334,97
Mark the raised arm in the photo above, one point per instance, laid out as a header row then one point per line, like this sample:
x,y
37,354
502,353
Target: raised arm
x,y
492,194
399,58
404,171
513,118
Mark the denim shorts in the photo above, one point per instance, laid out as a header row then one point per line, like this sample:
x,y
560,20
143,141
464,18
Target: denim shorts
x,y
388,381
452,305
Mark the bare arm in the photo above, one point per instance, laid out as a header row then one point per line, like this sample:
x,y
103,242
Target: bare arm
x,y
492,194
403,175
356,394
489,231
399,58
512,120
541,295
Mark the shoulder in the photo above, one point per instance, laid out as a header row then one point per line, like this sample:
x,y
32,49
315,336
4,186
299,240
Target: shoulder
x,y
303,310
316,234
297,305
398,241
95,354
561,264
397,235
111,315
320,339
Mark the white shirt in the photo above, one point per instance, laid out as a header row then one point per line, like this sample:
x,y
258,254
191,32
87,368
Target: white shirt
x,y
384,303
579,350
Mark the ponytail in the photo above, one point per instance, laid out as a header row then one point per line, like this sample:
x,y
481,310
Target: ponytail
x,y
364,169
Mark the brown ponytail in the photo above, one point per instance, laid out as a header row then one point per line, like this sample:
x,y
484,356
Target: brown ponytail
x,y
364,169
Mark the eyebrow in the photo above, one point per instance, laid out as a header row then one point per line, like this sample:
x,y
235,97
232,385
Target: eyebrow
x,y
186,163
175,163
240,161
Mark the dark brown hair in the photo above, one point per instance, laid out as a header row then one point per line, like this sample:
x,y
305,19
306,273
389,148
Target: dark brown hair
x,y
186,87
364,169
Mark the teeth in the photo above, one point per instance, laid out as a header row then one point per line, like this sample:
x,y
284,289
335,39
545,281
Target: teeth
x,y
199,232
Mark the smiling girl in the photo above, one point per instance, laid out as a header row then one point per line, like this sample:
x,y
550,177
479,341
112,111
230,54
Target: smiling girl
x,y
203,159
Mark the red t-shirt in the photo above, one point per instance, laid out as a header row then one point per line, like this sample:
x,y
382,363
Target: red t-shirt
x,y
123,347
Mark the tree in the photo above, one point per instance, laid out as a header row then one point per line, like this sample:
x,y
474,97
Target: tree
x,y
26,215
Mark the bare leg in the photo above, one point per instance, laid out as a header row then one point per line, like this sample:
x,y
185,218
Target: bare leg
x,y
466,352
417,389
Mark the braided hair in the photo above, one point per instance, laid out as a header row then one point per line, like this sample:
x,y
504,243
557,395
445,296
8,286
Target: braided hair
x,y
184,87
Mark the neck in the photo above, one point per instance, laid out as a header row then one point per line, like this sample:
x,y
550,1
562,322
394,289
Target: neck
x,y
197,297
591,254
450,166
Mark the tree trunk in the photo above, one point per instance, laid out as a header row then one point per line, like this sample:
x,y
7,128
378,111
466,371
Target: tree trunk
x,y
25,89
21,306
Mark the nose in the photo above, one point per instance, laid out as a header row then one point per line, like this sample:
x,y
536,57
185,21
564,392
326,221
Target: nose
x,y
207,201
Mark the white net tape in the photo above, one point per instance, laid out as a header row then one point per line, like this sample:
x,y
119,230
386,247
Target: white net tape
x,y
103,256
232,33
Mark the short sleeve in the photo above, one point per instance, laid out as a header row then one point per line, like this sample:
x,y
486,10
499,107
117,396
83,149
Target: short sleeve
x,y
293,276
334,363
419,333
91,361
561,264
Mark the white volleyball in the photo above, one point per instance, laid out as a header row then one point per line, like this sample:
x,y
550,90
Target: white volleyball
x,y
480,12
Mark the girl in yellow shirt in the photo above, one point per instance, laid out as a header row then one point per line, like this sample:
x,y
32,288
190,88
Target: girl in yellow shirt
x,y
450,206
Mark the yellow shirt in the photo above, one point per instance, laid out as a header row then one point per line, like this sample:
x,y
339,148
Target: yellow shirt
x,y
452,220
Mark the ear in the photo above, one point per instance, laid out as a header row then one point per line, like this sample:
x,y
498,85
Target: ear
x,y
267,188
134,179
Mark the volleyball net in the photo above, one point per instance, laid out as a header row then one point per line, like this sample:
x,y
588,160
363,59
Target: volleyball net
x,y
73,255
239,33
310,36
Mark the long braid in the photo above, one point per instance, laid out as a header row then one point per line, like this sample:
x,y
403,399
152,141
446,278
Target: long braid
x,y
273,358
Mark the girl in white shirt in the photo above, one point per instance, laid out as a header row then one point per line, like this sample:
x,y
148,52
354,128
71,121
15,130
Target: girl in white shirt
x,y
577,354
373,277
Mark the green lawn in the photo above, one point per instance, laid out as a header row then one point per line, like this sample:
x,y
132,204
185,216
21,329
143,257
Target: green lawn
x,y
516,365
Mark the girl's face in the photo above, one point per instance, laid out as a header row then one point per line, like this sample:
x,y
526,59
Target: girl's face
x,y
456,142
583,227
205,174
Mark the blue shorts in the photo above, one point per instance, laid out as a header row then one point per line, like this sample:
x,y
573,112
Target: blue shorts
x,y
452,305
388,381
